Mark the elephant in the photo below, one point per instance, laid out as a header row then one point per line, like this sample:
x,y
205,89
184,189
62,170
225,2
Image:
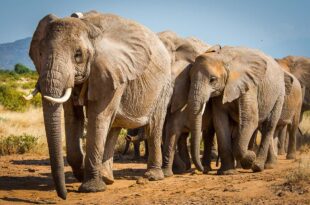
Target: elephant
x,y
289,119
246,89
183,52
117,68
300,68
136,136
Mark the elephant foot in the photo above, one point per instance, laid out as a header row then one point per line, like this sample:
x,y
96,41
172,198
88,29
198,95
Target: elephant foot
x,y
247,161
227,172
281,152
238,164
207,169
270,165
167,172
179,168
154,174
78,174
108,180
107,173
291,156
93,185
214,154
258,166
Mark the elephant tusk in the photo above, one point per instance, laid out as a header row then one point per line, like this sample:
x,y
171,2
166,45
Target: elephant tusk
x,y
62,99
203,109
31,95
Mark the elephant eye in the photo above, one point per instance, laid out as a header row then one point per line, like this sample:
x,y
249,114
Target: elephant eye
x,y
212,79
78,56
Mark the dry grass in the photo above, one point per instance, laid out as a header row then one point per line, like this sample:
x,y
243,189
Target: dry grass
x,y
27,123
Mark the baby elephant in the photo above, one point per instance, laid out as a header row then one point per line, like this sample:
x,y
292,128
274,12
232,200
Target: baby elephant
x,y
247,89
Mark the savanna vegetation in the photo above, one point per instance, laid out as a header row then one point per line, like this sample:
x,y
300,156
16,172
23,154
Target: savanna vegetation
x,y
21,121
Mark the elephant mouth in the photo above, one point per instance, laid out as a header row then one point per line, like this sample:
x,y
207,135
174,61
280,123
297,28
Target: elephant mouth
x,y
81,76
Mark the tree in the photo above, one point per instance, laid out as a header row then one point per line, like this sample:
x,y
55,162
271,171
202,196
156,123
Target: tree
x,y
20,69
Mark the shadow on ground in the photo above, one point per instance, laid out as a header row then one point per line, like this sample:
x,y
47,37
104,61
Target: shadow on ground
x,y
39,183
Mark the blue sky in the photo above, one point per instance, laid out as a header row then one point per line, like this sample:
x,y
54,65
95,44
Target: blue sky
x,y
278,27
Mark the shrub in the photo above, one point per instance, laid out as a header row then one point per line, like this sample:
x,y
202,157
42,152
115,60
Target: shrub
x,y
12,99
17,144
20,69
301,174
29,85
7,75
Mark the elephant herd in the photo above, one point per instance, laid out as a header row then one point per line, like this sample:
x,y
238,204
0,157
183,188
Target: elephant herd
x,y
126,76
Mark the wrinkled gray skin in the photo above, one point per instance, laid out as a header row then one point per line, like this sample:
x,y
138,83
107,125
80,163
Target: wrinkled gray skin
x,y
127,72
300,68
183,52
288,122
247,90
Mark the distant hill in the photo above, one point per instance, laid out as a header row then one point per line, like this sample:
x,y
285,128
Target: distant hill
x,y
15,52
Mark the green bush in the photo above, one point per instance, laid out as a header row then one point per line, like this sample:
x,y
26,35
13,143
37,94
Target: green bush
x,y
7,76
12,99
17,144
29,85
21,69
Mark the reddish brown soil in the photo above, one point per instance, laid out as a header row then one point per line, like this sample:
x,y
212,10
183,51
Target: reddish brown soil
x,y
26,179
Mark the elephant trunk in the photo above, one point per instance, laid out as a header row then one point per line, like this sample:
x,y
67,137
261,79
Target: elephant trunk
x,y
53,82
197,105
52,122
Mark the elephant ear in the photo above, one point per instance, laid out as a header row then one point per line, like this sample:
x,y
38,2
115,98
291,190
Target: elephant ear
x,y
37,39
288,80
123,51
181,86
244,71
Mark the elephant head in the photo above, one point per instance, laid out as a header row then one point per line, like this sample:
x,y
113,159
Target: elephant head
x,y
183,52
219,72
300,68
101,50
62,51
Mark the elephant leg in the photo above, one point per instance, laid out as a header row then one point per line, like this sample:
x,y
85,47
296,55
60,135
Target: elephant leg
x,y
292,131
107,162
223,131
178,166
101,115
136,146
252,143
74,128
248,123
271,157
208,136
281,139
126,147
179,161
146,152
183,151
172,137
268,129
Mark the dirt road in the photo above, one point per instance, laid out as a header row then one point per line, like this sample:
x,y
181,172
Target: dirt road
x,y
26,179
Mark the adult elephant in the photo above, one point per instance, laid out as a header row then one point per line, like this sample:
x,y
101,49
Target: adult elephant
x,y
183,52
246,89
123,70
289,120
300,68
